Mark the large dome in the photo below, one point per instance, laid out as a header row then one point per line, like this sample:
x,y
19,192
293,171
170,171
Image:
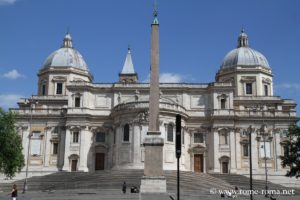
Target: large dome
x,y
243,55
66,56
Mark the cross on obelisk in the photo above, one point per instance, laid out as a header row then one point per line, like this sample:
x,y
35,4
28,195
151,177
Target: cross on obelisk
x,y
153,181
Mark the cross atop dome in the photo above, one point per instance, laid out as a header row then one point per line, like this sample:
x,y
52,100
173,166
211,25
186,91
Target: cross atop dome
x,y
243,39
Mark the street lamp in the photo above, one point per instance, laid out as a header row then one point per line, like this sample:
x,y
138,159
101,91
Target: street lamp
x,y
263,132
250,161
25,187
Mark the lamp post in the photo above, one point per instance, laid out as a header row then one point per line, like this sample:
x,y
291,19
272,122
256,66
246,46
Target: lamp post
x,y
25,187
250,160
264,132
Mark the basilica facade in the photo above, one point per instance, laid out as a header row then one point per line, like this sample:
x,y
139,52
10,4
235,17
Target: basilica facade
x,y
74,124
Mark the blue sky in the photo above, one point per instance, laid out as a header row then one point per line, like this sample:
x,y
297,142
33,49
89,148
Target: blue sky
x,y
195,35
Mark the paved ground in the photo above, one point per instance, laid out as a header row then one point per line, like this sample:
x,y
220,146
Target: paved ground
x,y
113,194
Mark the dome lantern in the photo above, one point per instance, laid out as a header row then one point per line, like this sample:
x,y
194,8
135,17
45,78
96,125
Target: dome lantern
x,y
67,41
243,39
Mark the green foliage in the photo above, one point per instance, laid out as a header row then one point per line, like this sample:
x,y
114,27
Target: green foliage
x,y
11,157
292,159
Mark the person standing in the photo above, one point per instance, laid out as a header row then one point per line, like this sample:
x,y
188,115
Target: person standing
x,y
124,187
14,192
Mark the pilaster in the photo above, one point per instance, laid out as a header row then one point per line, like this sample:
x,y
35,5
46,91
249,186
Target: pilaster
x,y
254,149
232,152
47,146
216,143
83,149
66,166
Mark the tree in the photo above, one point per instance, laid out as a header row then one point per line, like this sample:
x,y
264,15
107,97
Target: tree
x,y
291,158
11,157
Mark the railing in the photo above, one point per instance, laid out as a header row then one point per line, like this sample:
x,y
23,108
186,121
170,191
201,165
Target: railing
x,y
37,111
145,104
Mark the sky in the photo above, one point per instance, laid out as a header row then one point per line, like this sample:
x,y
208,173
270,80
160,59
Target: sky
x,y
195,35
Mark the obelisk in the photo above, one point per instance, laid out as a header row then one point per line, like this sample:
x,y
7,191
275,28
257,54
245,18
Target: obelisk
x,y
153,181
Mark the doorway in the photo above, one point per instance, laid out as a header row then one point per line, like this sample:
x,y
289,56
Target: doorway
x,y
99,161
225,167
198,163
74,165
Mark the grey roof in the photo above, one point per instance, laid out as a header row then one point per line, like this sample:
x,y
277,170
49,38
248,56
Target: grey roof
x,y
128,66
66,56
243,55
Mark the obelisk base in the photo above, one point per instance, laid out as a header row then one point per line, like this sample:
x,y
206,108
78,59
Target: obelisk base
x,y
153,181
153,184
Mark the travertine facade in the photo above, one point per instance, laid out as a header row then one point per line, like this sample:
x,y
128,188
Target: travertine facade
x,y
73,124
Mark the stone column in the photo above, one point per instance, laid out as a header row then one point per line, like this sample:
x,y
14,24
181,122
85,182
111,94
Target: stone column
x,y
84,148
254,151
216,144
232,152
61,153
25,139
47,146
277,151
136,143
238,154
66,166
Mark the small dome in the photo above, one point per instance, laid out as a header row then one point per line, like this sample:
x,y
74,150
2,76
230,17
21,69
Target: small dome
x,y
66,56
243,55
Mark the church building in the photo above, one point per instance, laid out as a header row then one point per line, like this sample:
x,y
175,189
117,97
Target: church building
x,y
75,124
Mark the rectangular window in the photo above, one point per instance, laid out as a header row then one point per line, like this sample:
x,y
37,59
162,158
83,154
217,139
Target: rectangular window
x,y
77,102
35,148
285,150
223,103
245,150
266,90
224,138
248,88
198,138
43,89
170,133
182,136
126,133
75,137
100,137
55,148
59,88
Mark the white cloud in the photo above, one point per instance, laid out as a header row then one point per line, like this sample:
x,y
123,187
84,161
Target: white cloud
x,y
13,74
289,86
7,2
169,78
9,100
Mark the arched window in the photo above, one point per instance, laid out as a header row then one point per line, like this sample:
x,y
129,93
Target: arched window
x,y
223,103
170,133
126,133
77,102
266,90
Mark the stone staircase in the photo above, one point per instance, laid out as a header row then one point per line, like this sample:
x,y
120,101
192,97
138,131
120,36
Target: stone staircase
x,y
243,182
113,179
108,184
